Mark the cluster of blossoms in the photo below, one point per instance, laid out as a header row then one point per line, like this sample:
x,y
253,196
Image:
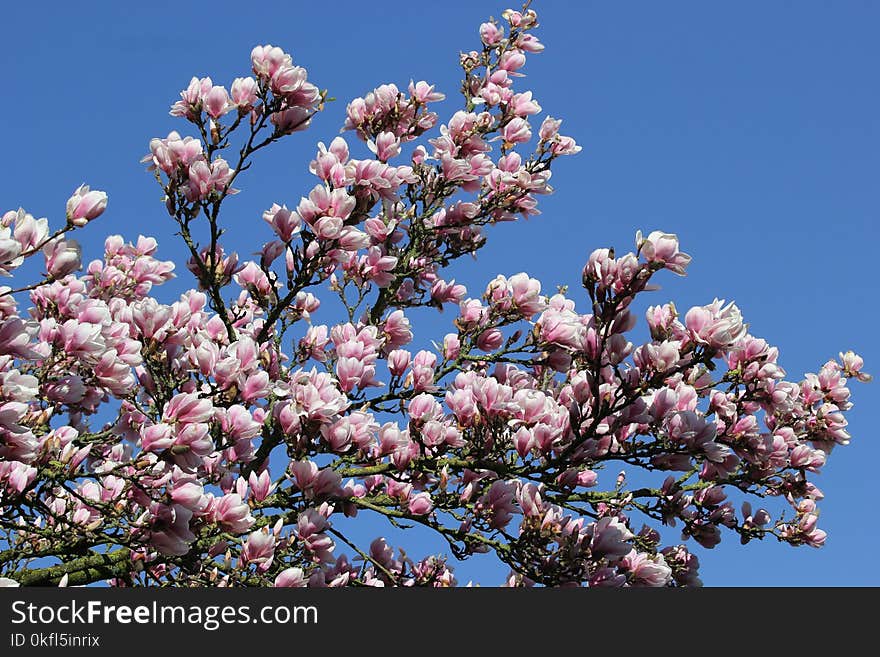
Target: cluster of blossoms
x,y
280,96
219,439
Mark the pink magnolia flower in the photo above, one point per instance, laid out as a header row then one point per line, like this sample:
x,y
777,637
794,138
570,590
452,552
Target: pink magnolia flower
x,y
549,128
261,485
611,538
188,408
287,79
397,330
85,205
526,293
562,327
291,120
266,60
662,248
216,102
512,60
420,504
647,570
852,366
231,512
291,577
259,549
285,223
191,99
490,340
171,533
424,92
398,361
386,146
378,267
517,131
17,476
190,495
63,257
451,346
718,326
243,93
491,34
27,234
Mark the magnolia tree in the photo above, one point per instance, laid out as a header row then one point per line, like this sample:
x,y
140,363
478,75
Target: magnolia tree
x,y
228,438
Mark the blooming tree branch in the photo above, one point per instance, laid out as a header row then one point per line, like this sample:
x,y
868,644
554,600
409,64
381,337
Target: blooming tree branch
x,y
218,439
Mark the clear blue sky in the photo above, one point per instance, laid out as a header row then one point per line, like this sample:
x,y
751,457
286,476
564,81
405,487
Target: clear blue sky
x,y
750,129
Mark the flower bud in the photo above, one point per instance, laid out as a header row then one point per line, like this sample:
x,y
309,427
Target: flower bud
x,y
85,205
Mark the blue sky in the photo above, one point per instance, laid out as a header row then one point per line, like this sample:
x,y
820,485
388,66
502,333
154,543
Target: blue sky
x,y
750,129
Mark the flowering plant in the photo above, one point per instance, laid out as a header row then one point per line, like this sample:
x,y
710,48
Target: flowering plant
x,y
222,439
